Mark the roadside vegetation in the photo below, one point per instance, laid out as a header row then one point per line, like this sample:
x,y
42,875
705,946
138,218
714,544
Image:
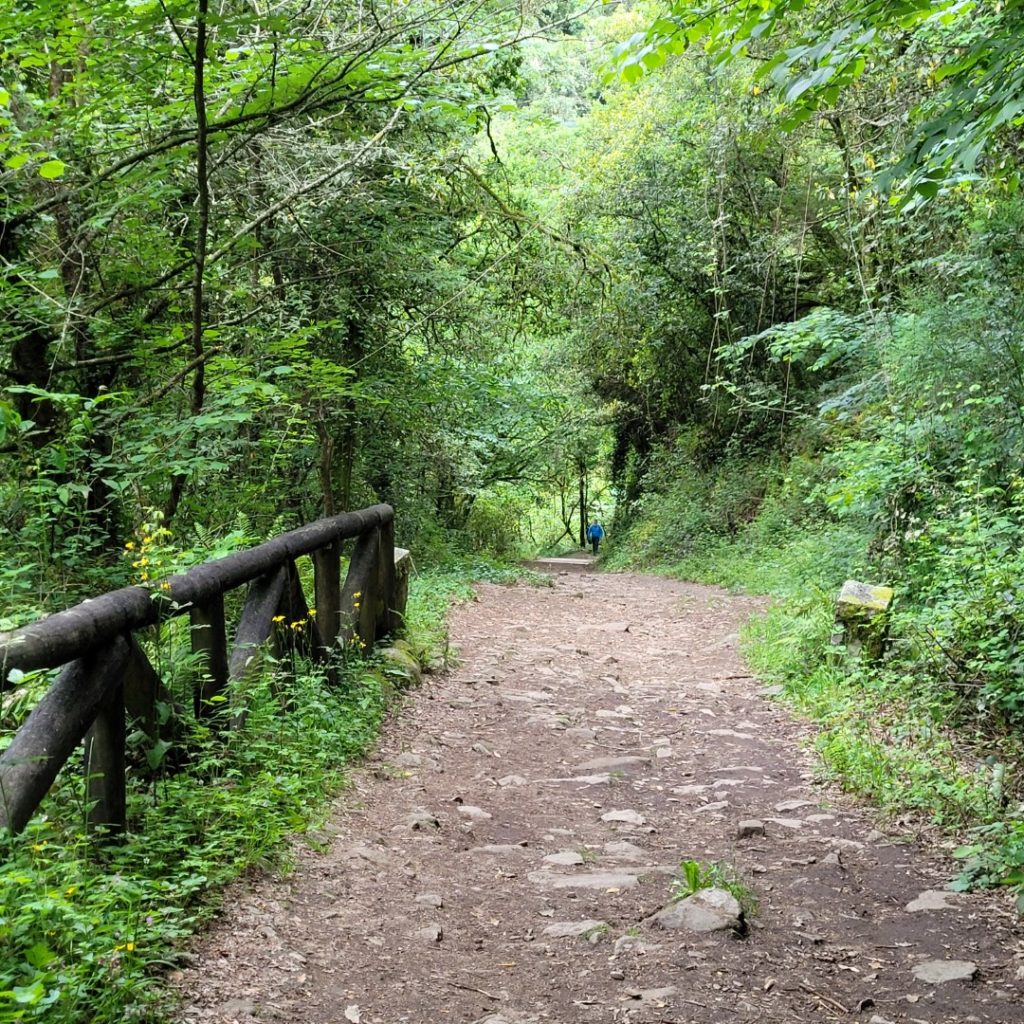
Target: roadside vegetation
x,y
743,282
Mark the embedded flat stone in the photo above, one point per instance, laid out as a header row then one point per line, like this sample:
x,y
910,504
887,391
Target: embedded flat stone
x,y
431,935
707,910
792,805
653,996
932,899
421,820
625,817
474,813
750,828
691,790
603,764
572,929
624,851
512,780
717,805
584,880
564,858
938,972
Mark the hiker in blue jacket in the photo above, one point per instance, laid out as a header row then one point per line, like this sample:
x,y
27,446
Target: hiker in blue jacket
x,y
595,534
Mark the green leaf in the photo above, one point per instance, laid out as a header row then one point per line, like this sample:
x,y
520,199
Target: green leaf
x,y
29,995
155,756
39,955
16,161
52,169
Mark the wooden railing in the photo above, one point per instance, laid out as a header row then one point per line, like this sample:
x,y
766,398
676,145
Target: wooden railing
x,y
106,675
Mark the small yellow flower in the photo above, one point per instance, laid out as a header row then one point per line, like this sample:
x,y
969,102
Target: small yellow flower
x,y
312,613
356,605
38,846
165,585
71,890
297,625
357,594
129,947
147,540
277,618
145,576
130,546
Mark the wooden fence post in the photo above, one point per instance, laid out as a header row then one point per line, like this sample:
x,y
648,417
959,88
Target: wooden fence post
x,y
57,723
209,641
104,764
386,577
327,593
362,586
255,628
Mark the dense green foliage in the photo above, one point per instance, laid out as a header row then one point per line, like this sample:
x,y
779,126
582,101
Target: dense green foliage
x,y
744,281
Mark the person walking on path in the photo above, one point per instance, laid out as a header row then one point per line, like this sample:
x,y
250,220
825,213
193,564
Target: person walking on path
x,y
595,534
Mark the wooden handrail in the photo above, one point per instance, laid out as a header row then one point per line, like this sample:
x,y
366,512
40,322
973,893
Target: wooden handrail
x,y
106,670
57,639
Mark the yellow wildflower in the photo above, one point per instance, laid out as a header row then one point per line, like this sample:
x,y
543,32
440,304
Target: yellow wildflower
x,y
277,618
130,546
312,613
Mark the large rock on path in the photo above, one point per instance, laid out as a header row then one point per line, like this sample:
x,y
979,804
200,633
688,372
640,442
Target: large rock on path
x,y
938,972
707,910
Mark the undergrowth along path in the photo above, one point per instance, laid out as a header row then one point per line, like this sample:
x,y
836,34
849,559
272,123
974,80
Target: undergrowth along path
x,y
500,858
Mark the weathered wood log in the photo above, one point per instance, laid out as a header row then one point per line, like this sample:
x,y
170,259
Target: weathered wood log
x,y
93,624
53,729
104,764
403,569
302,634
143,690
210,643
255,629
256,625
385,578
359,596
327,593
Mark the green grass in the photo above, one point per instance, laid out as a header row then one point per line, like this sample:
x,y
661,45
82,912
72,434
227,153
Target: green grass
x,y
86,927
693,876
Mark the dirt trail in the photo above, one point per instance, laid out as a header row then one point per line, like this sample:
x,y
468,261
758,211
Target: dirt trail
x,y
465,856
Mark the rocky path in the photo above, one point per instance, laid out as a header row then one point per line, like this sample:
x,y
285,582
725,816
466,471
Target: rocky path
x,y
503,857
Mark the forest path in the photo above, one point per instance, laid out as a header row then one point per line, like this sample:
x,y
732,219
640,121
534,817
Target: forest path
x,y
473,873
